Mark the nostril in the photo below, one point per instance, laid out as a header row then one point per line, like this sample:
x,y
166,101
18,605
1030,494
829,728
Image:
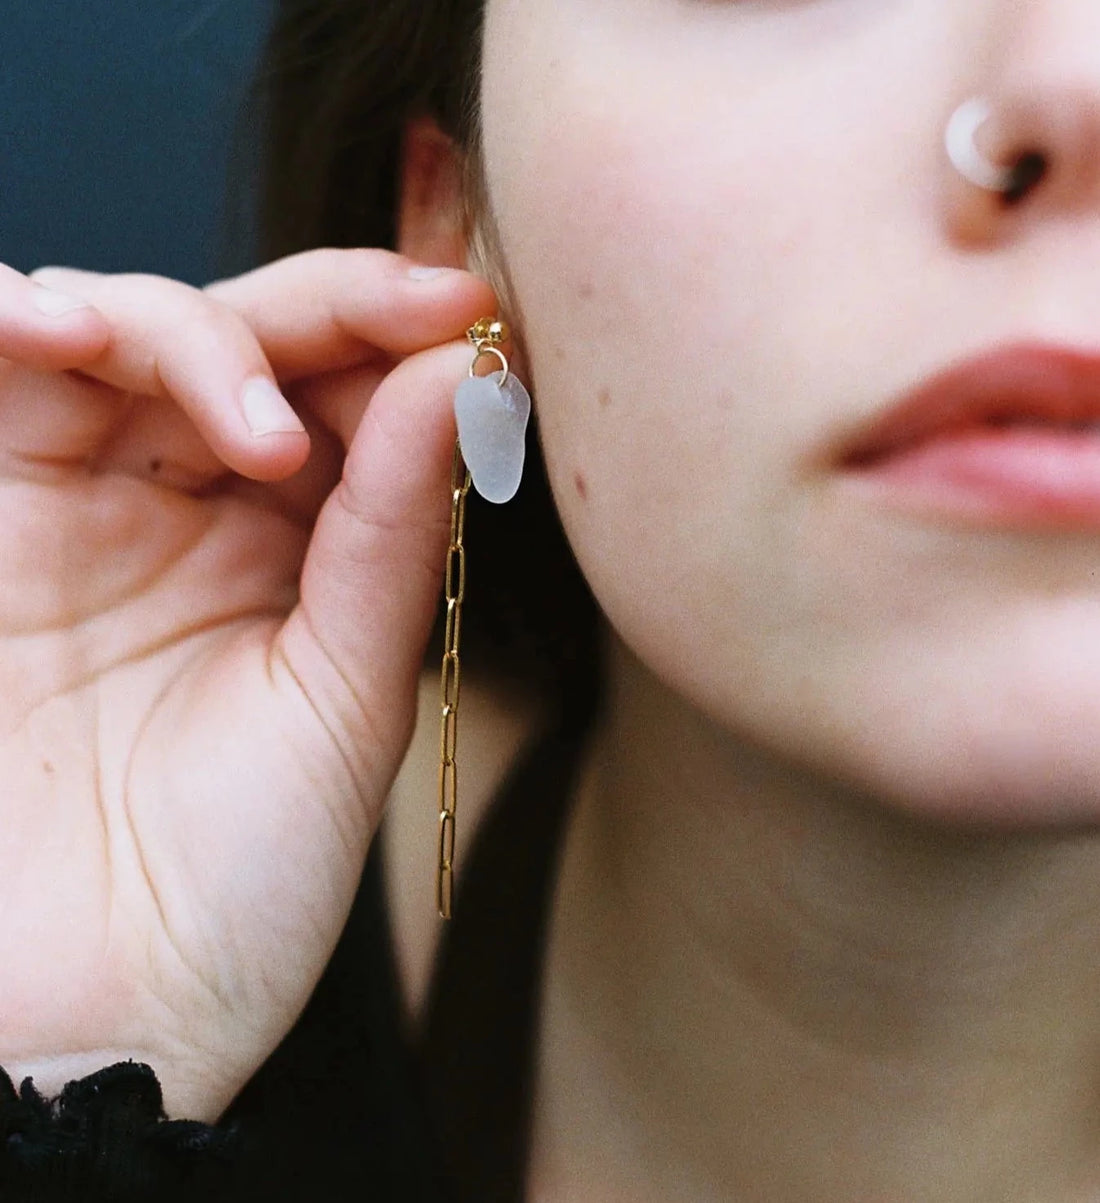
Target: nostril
x,y
1026,174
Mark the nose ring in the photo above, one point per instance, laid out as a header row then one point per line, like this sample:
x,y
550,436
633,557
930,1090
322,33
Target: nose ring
x,y
1012,182
962,149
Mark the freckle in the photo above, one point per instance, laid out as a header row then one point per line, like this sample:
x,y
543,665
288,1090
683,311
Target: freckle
x,y
47,767
582,486
155,465
605,397
587,290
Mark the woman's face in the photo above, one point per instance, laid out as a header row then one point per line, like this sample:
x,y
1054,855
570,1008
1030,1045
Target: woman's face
x,y
734,240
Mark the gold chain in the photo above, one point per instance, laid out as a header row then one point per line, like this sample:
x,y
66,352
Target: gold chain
x,y
451,684
485,338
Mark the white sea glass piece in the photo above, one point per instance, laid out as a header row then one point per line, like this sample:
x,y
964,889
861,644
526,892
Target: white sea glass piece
x,y
492,429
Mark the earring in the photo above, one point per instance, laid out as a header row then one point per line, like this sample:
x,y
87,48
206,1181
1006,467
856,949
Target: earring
x,y
1013,181
492,413
962,150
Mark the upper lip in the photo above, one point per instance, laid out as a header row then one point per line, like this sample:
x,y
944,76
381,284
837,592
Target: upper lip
x,y
1012,383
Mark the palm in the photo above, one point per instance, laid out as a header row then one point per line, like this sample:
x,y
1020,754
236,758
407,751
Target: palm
x,y
206,685
162,798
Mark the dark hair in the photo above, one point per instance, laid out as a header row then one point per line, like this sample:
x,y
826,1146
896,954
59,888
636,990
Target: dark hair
x,y
340,81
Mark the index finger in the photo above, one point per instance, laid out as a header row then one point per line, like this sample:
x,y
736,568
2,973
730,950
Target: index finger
x,y
46,329
326,310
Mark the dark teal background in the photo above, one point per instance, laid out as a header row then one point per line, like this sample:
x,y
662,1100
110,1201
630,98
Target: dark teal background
x,y
122,146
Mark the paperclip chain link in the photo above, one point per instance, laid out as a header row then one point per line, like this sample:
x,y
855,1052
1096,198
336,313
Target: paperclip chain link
x,y
485,338
450,688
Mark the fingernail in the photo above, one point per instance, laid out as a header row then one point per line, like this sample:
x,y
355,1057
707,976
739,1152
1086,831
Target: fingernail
x,y
55,304
427,273
267,411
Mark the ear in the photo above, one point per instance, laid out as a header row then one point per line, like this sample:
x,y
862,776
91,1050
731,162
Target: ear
x,y
430,223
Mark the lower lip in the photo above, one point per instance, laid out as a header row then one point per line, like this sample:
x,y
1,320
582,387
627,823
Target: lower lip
x,y
1022,476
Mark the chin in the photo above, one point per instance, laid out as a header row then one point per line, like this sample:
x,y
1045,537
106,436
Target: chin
x,y
977,801
1019,758
1040,772
998,726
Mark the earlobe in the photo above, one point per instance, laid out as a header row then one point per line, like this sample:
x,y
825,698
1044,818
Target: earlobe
x,y
430,224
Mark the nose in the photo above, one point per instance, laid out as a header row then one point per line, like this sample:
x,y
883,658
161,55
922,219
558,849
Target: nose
x,y
1042,130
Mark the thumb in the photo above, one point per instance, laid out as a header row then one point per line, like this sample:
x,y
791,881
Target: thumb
x,y
372,577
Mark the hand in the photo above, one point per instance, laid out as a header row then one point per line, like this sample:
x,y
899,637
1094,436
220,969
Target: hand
x,y
211,627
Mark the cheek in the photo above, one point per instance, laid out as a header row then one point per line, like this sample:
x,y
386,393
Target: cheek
x,y
712,260
676,227
645,265
697,314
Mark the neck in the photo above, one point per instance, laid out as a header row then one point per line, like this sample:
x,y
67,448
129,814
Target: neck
x,y
761,986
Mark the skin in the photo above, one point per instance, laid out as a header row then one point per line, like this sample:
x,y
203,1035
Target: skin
x,y
826,921
209,644
743,330
825,927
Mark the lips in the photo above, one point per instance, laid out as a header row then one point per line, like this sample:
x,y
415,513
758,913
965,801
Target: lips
x,y
1012,435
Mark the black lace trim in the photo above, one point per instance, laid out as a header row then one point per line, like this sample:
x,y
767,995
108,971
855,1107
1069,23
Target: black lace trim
x,y
106,1137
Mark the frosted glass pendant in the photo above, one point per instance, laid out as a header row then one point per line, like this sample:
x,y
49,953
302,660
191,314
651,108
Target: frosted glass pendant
x,y
492,430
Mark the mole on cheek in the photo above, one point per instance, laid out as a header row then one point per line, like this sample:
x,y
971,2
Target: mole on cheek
x,y
582,486
605,396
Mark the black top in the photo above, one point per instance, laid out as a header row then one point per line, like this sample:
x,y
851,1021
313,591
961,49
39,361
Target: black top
x,y
347,1108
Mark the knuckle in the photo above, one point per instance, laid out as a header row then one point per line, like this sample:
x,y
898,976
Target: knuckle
x,y
141,295
210,322
206,329
223,319
319,266
339,261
